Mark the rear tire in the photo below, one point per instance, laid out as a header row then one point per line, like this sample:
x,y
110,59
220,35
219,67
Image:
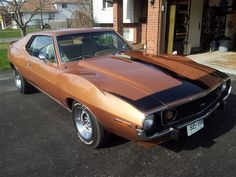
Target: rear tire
x,y
21,84
88,129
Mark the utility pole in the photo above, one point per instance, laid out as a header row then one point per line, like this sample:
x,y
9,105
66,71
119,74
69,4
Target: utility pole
x,y
41,14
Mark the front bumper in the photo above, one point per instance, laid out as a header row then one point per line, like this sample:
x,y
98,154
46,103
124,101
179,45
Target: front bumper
x,y
173,132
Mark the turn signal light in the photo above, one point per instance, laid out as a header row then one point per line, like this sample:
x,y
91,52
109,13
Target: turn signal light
x,y
169,115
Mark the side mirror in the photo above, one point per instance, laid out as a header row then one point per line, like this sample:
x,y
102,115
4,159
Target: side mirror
x,y
43,57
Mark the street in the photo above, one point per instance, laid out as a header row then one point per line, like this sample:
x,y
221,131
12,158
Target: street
x,y
37,138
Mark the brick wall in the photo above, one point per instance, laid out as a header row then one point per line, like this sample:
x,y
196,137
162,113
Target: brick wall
x,y
153,27
145,33
140,32
118,16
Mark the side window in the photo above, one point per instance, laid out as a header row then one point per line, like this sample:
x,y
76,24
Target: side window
x,y
43,46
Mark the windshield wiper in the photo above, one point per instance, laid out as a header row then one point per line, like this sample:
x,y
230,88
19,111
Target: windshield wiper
x,y
82,57
120,51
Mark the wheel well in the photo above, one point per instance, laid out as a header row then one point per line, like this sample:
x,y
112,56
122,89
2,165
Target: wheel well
x,y
12,66
69,102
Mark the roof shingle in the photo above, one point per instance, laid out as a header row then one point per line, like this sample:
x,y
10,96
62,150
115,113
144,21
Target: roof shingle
x,y
31,5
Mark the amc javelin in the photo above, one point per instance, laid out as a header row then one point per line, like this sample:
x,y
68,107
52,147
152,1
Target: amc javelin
x,y
112,88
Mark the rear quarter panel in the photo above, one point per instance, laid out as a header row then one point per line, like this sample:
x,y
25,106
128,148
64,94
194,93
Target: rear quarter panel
x,y
17,55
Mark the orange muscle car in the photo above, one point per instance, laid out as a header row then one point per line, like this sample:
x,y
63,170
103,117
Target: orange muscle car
x,y
111,87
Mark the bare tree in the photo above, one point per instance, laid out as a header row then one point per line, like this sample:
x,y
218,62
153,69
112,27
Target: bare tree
x,y
82,16
88,10
80,19
13,8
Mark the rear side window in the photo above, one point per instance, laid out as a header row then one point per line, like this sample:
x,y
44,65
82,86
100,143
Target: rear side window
x,y
42,45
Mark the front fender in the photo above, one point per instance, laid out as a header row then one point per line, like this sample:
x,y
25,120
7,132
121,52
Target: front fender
x,y
114,114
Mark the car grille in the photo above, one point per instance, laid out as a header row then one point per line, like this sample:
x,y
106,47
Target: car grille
x,y
190,110
195,106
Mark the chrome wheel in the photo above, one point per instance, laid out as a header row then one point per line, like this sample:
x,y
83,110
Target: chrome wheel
x,y
18,80
21,83
83,123
90,132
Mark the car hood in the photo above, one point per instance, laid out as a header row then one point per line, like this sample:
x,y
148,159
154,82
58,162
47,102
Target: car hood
x,y
147,81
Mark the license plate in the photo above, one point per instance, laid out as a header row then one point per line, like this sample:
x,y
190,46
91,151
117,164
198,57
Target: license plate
x,y
194,127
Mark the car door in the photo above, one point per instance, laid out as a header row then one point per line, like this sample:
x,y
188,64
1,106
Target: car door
x,y
42,64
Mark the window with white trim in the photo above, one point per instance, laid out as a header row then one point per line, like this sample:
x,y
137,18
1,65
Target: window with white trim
x,y
128,34
64,5
107,4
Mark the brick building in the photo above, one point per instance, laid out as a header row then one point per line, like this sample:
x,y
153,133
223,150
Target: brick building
x,y
164,26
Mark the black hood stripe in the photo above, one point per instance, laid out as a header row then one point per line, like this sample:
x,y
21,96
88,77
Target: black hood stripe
x,y
144,104
167,96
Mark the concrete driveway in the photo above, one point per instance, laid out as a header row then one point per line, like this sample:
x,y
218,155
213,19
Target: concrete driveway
x,y
223,61
37,138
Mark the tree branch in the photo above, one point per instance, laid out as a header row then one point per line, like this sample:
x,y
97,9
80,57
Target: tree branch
x,y
3,7
32,15
22,3
13,9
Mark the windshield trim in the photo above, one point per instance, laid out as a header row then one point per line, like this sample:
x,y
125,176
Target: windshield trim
x,y
131,47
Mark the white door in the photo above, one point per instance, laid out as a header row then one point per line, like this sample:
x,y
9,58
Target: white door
x,y
195,23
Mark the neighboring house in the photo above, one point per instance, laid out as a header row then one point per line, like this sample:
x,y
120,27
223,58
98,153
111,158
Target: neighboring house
x,y
132,16
54,12
5,20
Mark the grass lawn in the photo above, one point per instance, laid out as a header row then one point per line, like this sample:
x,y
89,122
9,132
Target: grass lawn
x,y
4,64
14,33
9,33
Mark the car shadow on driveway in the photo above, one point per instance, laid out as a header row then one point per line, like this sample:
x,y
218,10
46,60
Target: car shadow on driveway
x,y
218,124
115,140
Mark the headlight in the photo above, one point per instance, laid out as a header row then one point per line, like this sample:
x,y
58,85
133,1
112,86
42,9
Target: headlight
x,y
169,115
223,87
148,122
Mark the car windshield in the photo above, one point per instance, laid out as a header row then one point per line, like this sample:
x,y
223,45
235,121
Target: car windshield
x,y
84,45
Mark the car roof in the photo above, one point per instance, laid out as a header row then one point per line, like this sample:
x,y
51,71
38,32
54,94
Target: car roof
x,y
62,32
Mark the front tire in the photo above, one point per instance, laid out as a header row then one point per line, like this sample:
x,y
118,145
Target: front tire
x,y
21,84
88,129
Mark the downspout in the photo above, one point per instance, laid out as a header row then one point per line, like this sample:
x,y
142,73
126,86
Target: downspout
x,y
160,28
146,27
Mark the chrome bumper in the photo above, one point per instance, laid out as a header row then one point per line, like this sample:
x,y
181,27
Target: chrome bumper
x,y
229,91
